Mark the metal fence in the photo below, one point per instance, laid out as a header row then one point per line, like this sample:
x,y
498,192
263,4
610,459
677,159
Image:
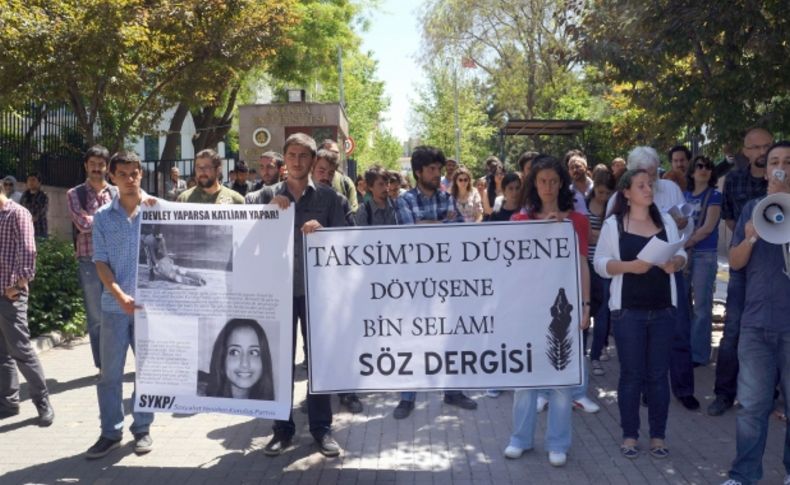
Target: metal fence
x,y
156,172
42,138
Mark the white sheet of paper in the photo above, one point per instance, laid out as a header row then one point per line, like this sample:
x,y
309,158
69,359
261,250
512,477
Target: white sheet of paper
x,y
658,251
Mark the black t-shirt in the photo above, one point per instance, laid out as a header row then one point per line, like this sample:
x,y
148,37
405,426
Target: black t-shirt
x,y
501,215
648,291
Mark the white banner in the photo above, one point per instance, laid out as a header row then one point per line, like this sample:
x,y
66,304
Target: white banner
x,y
447,306
214,332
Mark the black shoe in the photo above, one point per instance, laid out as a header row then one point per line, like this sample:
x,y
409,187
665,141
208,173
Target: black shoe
x,y
277,445
328,446
143,443
460,400
102,448
8,411
352,402
719,405
45,412
689,402
403,410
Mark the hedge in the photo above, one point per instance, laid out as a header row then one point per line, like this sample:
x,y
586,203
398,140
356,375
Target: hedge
x,y
55,294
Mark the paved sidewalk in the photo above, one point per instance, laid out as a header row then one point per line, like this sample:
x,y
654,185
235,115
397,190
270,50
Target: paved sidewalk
x,y
437,444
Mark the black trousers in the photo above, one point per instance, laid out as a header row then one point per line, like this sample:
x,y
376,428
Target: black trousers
x,y
319,407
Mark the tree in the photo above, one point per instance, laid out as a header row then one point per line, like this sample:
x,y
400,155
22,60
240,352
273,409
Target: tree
x,y
519,45
116,62
434,114
689,66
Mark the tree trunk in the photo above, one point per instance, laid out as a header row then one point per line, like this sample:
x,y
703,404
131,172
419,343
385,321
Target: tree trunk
x,y
174,132
211,129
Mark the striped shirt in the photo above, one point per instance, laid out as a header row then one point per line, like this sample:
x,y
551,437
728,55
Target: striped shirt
x,y
116,242
83,217
17,245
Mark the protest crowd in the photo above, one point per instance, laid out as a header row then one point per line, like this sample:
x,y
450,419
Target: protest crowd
x,y
656,318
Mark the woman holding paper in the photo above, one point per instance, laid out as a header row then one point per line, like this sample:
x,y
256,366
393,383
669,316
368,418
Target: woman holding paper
x,y
643,303
548,195
703,260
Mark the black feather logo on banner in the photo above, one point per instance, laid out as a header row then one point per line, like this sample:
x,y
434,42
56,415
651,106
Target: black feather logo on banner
x,y
559,340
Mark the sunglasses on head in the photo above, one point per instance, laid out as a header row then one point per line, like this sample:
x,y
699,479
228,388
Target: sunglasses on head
x,y
704,166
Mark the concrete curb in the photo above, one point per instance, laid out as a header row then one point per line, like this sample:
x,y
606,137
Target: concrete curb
x,y
50,340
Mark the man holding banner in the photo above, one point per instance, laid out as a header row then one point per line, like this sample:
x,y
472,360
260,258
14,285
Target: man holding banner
x,y
316,206
116,229
426,204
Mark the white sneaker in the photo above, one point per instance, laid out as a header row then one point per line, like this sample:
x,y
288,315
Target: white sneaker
x,y
542,403
493,393
736,482
586,404
514,452
557,459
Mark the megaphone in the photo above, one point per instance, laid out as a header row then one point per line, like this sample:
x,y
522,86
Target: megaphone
x,y
771,218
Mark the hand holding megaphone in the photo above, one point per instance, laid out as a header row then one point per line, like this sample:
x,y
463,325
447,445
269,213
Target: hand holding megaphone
x,y
771,218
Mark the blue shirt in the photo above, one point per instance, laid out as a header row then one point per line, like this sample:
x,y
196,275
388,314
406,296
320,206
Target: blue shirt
x,y
414,207
767,303
711,242
116,242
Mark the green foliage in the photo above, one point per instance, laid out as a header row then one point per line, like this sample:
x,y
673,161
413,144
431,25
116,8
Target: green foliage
x,y
385,151
55,295
434,116
688,66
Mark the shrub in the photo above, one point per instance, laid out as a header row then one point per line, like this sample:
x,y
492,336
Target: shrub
x,y
55,295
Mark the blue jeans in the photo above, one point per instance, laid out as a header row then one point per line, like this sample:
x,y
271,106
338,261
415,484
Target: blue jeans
x,y
91,292
558,427
644,341
116,337
760,352
681,368
703,283
600,312
727,362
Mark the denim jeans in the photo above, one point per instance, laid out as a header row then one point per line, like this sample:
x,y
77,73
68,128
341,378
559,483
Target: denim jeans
x,y
760,353
644,340
558,426
116,337
600,313
727,362
703,283
91,291
681,368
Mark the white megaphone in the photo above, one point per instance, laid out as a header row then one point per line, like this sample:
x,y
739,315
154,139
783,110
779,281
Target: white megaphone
x,y
771,218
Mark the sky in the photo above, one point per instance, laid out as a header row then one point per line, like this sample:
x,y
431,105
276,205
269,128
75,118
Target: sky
x,y
394,40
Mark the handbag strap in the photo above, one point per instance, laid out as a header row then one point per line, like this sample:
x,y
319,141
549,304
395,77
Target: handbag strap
x,y
704,207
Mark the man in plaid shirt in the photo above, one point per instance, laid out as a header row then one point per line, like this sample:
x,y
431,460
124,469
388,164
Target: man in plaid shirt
x,y
740,187
84,200
426,204
18,257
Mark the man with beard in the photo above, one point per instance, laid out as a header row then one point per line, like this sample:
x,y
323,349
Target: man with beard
x,y
740,187
426,204
315,206
208,189
342,184
242,185
84,200
270,165
679,157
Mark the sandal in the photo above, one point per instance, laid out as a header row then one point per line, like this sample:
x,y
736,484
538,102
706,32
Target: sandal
x,y
629,451
659,452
